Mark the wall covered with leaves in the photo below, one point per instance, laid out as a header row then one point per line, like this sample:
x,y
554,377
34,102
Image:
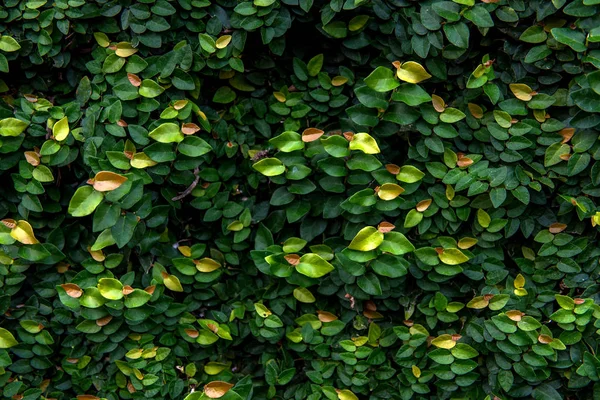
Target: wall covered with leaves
x,y
299,199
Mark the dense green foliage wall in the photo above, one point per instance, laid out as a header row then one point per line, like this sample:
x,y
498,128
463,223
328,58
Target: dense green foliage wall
x,y
299,199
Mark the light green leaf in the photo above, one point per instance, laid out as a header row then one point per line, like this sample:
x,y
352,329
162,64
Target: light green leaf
x,y
453,257
167,133
313,266
7,340
382,80
84,201
269,167
12,126
410,174
365,143
110,288
368,238
150,89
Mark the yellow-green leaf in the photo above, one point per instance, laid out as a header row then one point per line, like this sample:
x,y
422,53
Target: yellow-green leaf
x,y
412,72
101,39
478,303
223,41
60,130
483,218
172,283
7,340
368,238
444,341
521,91
304,295
23,233
389,191
453,257
125,49
365,143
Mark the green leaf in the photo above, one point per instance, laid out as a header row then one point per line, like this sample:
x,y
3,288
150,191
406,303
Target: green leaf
x,y
269,167
12,126
7,340
288,141
167,133
110,288
411,94
313,266
382,80
413,218
410,174
315,64
451,115
304,295
224,95
368,238
572,38
150,89
137,298
553,153
84,201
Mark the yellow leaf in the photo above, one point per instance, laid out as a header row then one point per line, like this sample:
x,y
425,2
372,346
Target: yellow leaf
x,y
172,283
207,265
365,143
223,41
520,292
519,282
416,371
389,191
105,181
214,368
483,218
450,192
339,80
521,91
102,39
185,250
60,130
346,394
412,72
279,96
444,342
217,389
23,232
478,303
141,160
423,205
125,49
466,243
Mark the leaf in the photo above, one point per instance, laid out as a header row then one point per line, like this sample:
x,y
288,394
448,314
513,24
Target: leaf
x,y
207,265
313,266
223,41
412,72
217,389
60,130
9,44
269,167
23,233
167,133
311,134
444,341
389,191
288,141
72,290
411,94
453,257
224,95
368,238
451,115
409,174
413,218
150,89
84,201
12,126
572,38
365,143
101,39
483,218
105,181
382,80
521,91
110,288
304,295
7,340
315,64
554,153
125,49
172,283
141,160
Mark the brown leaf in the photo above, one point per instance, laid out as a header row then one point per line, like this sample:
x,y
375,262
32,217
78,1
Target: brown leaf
x,y
392,169
217,389
385,227
311,134
515,315
97,255
456,337
127,290
545,339
464,162
72,290
293,259
565,157
192,333
9,223
578,301
32,158
150,289
557,227
475,110
87,397
567,134
105,181
72,360
104,321
488,297
134,80
122,123
32,98
348,135
369,305
372,314
189,128
423,205
213,327
326,316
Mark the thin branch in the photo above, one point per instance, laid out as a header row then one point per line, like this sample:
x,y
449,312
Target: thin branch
x,y
190,188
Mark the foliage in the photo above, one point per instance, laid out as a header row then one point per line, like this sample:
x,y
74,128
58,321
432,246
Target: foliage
x,y
299,200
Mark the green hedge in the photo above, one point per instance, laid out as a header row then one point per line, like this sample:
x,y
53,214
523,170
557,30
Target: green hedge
x,y
299,199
